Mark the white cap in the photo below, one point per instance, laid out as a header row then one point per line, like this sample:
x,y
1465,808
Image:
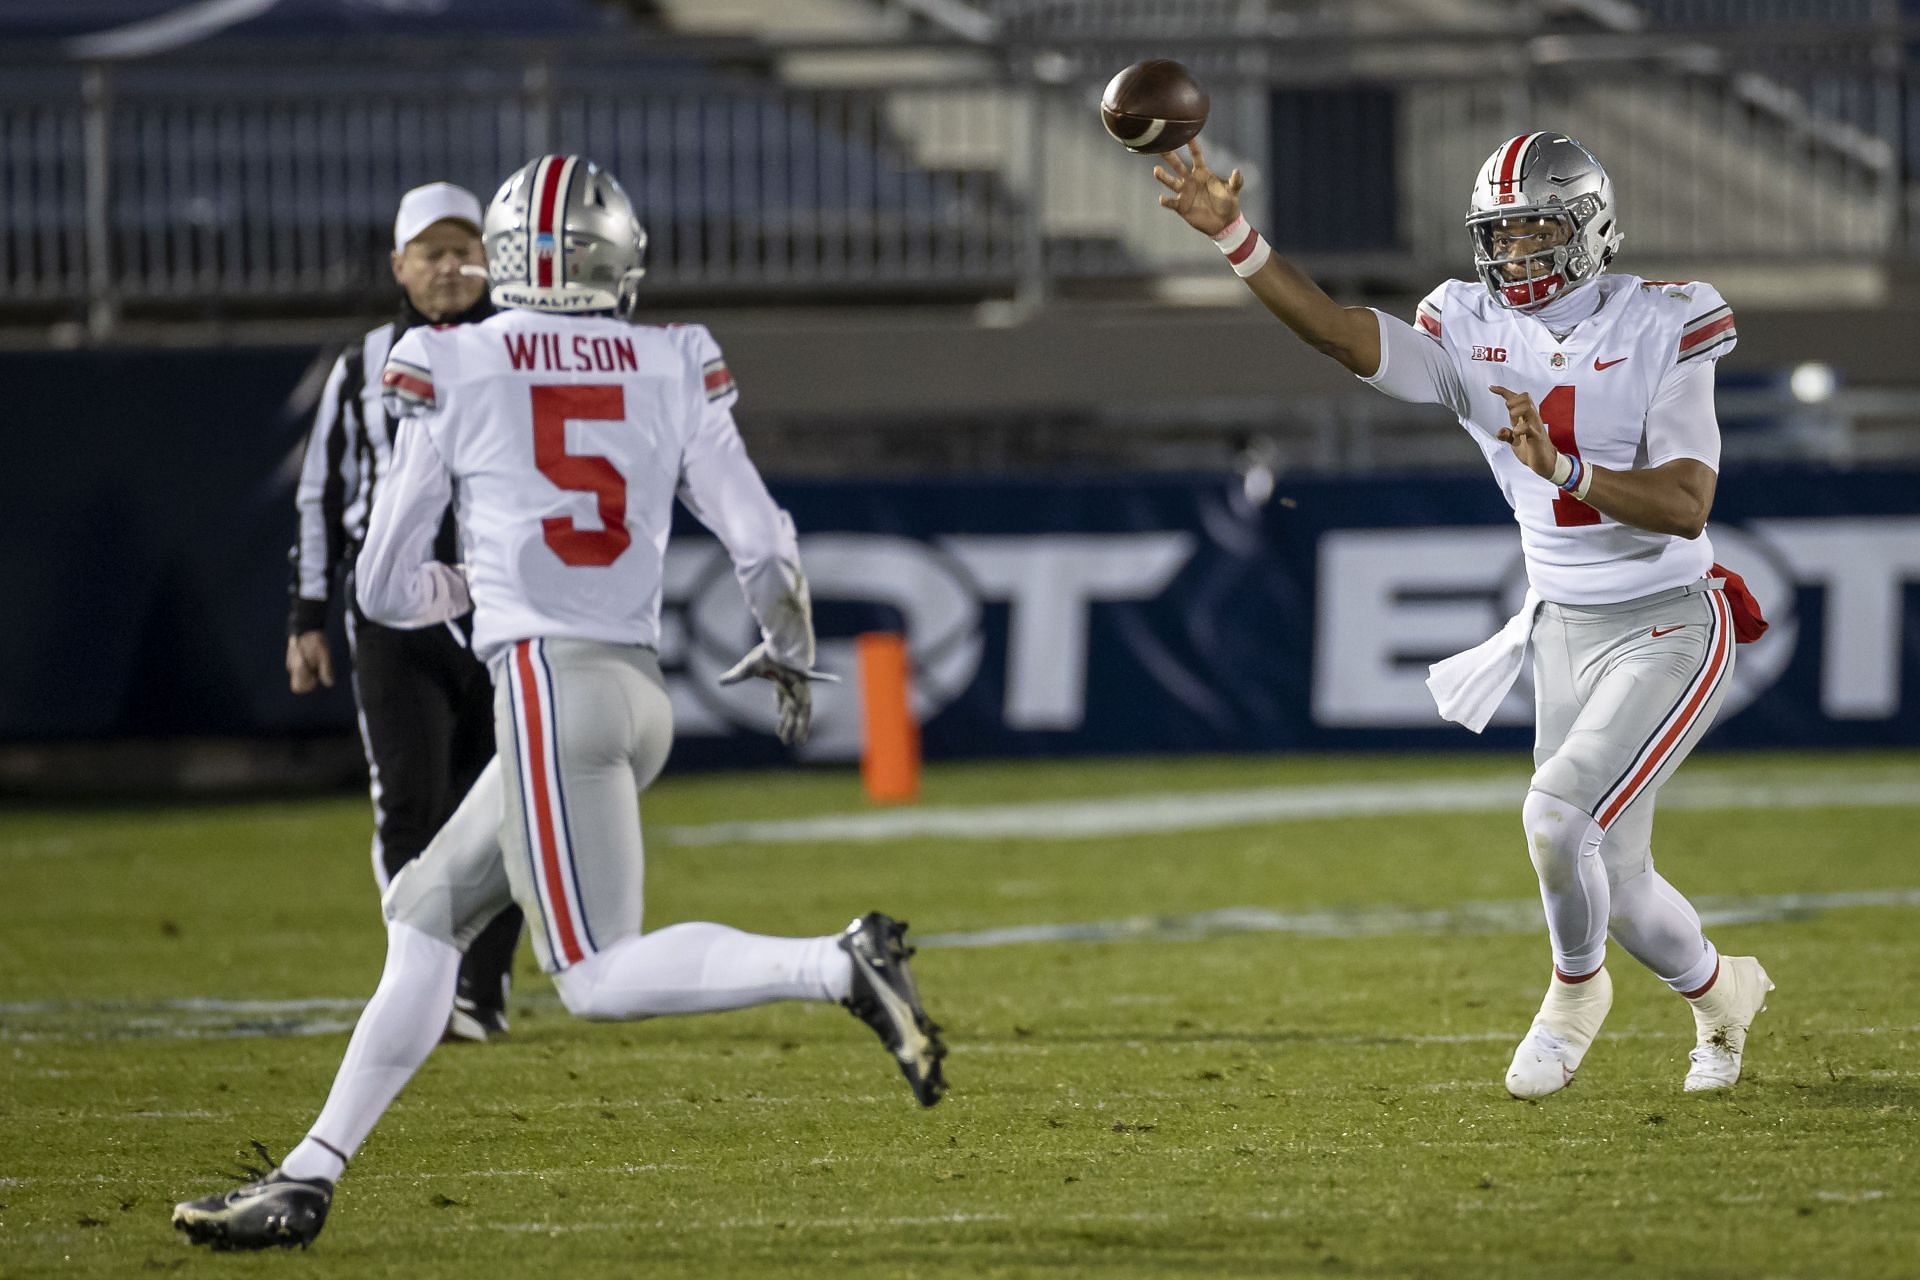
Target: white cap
x,y
421,207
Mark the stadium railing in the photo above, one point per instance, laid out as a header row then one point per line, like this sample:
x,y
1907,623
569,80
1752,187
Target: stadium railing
x,y
223,184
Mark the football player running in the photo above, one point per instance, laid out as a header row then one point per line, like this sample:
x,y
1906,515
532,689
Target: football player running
x,y
1591,396
562,434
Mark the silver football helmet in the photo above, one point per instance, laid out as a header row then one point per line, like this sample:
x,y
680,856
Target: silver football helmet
x,y
561,236
1550,176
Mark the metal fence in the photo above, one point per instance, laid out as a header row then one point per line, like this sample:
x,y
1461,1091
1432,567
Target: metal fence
x,y
210,187
175,186
1679,13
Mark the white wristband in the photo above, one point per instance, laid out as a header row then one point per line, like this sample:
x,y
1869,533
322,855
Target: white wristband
x,y
1247,251
1586,483
1562,468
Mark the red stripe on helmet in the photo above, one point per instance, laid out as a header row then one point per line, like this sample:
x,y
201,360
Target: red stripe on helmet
x,y
1510,163
551,169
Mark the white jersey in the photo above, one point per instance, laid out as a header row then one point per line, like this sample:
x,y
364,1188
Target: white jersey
x,y
1630,387
562,442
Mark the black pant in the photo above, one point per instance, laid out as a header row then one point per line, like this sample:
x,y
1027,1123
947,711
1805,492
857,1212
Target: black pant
x,y
426,717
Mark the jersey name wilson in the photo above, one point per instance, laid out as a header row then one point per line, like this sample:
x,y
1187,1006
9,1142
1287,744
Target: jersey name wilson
x,y
554,353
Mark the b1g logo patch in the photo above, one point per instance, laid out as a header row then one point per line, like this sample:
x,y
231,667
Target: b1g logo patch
x,y
1497,355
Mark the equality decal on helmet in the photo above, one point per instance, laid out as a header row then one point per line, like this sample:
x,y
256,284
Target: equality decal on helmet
x,y
1512,166
561,237
552,184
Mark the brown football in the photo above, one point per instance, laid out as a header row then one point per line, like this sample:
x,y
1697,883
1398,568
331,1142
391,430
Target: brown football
x,y
1153,106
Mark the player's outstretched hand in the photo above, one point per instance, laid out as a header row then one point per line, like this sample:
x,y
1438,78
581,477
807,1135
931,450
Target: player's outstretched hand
x,y
1207,201
308,661
792,690
1527,434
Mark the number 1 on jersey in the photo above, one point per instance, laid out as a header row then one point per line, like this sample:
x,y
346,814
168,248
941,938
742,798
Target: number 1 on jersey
x,y
582,472
1556,410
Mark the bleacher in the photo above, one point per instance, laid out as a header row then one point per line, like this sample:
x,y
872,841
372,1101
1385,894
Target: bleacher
x,y
250,169
239,186
259,164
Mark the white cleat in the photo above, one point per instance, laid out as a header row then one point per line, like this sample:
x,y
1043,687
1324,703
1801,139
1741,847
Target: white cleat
x,y
1738,995
1561,1033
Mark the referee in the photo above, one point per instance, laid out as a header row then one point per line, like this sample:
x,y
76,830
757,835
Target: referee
x,y
426,703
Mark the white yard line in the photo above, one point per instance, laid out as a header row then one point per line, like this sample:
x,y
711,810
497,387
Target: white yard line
x,y
1200,810
855,1222
1042,1046
1521,916
1155,814
189,1004
211,1018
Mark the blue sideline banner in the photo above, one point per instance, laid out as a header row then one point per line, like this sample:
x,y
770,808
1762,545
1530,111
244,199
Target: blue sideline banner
x,y
147,507
1063,617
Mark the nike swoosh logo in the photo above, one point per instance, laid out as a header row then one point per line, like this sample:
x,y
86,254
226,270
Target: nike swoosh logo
x,y
1657,632
1608,364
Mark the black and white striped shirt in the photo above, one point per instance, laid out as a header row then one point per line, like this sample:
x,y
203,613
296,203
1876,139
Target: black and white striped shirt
x,y
346,457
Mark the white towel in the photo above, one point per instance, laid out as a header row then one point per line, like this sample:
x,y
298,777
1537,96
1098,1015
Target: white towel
x,y
1469,687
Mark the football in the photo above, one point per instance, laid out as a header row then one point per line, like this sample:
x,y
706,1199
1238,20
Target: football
x,y
1153,106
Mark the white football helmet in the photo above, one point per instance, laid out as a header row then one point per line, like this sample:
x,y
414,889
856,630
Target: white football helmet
x,y
561,236
1543,175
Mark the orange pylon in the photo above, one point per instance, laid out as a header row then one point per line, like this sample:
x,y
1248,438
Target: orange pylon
x,y
890,744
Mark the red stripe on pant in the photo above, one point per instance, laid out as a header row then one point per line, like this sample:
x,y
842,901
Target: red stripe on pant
x,y
534,763
1722,645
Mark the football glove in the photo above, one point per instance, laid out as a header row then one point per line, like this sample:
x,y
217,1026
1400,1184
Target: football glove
x,y
792,690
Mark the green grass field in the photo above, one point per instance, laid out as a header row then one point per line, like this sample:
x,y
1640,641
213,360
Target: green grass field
x,y
1315,1092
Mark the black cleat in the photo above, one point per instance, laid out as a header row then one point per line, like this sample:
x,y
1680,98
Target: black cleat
x,y
276,1211
477,1014
474,1022
885,998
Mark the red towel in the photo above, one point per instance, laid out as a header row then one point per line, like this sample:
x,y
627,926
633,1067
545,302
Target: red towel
x,y
1748,622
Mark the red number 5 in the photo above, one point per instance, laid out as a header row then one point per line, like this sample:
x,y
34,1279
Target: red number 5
x,y
583,472
1556,410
